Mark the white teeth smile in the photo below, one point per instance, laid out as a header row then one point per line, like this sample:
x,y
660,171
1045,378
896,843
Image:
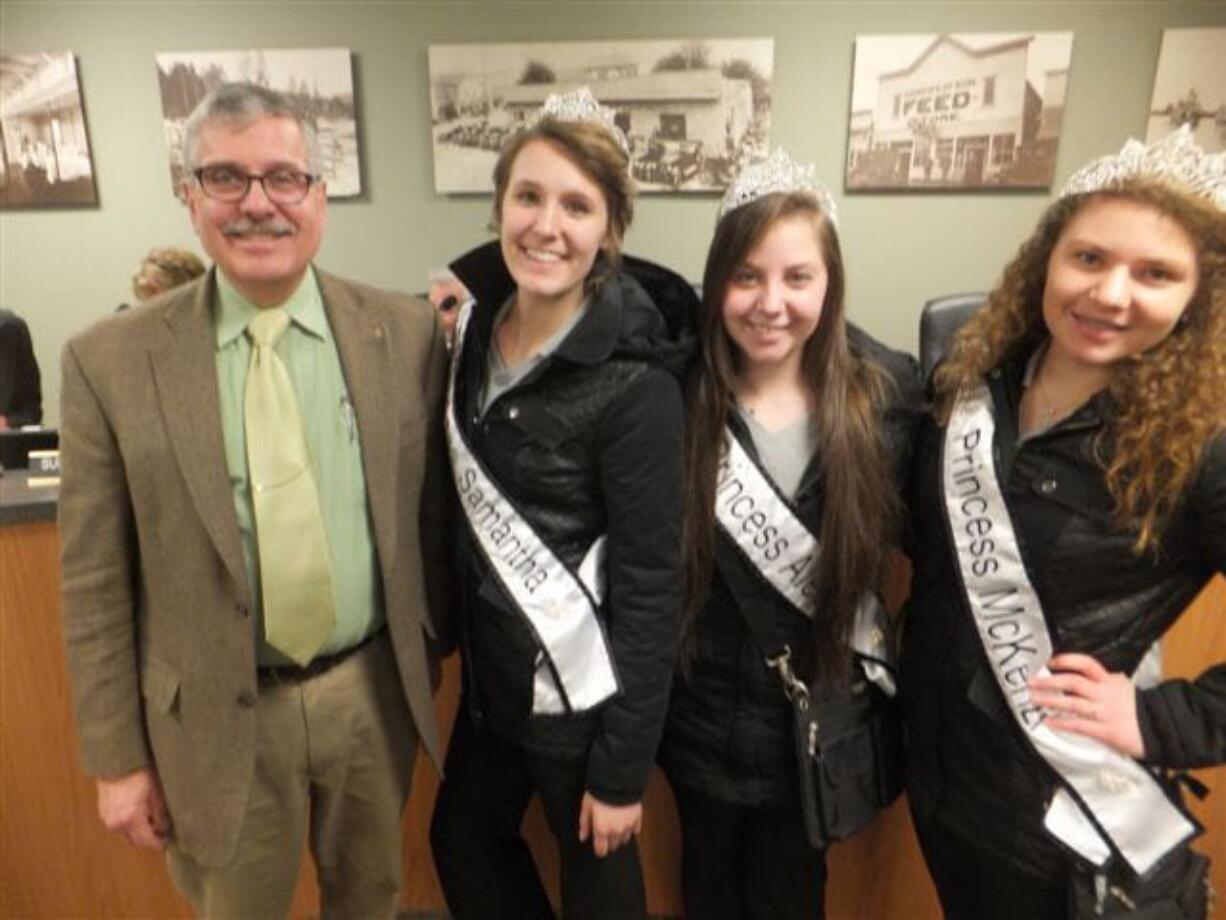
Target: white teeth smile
x,y
541,255
1103,324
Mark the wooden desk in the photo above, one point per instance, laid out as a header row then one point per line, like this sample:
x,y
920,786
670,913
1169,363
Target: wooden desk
x,y
20,502
57,862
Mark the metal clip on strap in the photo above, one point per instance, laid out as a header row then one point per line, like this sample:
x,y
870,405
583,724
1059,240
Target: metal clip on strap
x,y
793,687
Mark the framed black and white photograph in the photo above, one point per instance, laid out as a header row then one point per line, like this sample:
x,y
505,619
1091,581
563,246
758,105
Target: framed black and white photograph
x,y
1190,87
957,111
44,147
693,110
319,81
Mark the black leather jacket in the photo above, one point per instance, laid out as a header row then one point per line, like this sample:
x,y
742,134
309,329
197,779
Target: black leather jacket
x,y
971,772
729,730
589,443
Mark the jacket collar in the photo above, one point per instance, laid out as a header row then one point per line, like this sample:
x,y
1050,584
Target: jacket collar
x,y
484,272
185,376
1007,383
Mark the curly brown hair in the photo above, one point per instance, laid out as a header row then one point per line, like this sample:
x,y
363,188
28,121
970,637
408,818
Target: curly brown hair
x,y
1168,402
860,509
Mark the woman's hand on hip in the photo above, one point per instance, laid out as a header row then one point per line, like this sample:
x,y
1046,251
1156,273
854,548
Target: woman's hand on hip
x,y
1082,696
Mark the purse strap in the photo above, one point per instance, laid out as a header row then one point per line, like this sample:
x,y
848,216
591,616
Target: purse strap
x,y
776,653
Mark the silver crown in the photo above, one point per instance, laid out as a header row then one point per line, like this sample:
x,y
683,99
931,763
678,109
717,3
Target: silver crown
x,y
1174,158
580,105
777,173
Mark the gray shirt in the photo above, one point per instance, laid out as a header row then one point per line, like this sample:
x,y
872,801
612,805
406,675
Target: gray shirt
x,y
784,454
498,377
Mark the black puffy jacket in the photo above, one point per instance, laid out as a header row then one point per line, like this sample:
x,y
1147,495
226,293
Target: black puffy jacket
x,y
971,772
589,443
729,730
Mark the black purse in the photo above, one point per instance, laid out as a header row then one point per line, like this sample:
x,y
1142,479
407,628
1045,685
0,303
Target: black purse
x,y
848,753
1177,890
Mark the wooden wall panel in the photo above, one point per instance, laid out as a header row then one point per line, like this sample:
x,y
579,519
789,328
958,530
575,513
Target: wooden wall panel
x,y
55,858
1197,641
56,861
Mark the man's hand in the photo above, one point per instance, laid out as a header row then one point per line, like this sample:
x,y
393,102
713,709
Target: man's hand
x,y
609,826
446,293
133,805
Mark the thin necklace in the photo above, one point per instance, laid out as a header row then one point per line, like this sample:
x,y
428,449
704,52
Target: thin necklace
x,y
1049,409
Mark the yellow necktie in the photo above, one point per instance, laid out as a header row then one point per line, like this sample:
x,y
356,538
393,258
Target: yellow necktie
x,y
295,568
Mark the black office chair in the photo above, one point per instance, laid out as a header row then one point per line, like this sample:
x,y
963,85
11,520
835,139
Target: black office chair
x,y
16,444
939,320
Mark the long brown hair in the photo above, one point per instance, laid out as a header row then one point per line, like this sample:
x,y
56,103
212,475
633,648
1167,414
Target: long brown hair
x,y
859,508
1168,402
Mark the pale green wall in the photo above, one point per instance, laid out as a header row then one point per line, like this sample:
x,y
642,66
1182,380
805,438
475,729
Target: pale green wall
x,y
61,269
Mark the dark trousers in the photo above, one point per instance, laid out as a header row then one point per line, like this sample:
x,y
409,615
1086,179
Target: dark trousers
x,y
486,869
973,883
747,863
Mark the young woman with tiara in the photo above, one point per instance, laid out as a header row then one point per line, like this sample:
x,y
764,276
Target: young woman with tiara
x,y
1070,497
798,433
564,420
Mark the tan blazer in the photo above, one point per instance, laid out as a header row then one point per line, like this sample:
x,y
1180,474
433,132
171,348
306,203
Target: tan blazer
x,y
161,646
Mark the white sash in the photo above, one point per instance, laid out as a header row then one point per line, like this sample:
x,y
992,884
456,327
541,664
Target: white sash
x,y
761,524
1107,799
575,670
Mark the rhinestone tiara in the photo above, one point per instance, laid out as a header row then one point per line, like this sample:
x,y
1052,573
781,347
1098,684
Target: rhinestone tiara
x,y
777,173
580,105
1174,158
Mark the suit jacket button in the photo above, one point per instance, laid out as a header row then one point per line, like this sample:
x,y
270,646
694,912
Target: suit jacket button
x,y
240,608
246,699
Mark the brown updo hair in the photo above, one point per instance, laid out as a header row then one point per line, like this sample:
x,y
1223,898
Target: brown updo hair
x,y
163,269
594,150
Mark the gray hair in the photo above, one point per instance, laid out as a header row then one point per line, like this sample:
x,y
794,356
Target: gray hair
x,y
241,104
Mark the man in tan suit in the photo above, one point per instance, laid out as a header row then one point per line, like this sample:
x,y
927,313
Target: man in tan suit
x,y
204,735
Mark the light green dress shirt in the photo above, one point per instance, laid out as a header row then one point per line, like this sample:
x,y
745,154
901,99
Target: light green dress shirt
x,y
309,353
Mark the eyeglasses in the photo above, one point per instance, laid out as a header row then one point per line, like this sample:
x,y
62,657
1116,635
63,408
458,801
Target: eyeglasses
x,y
282,185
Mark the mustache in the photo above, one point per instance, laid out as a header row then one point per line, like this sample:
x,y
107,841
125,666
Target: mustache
x,y
245,226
